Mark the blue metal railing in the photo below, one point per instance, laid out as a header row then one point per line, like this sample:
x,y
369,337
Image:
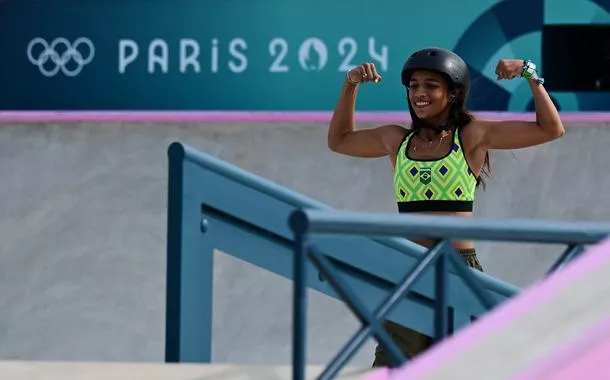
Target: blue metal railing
x,y
213,205
308,223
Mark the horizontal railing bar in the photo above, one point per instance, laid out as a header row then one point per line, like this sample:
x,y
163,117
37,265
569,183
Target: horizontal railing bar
x,y
243,177
506,290
209,210
445,227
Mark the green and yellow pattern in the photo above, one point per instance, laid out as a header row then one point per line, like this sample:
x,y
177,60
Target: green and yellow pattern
x,y
446,179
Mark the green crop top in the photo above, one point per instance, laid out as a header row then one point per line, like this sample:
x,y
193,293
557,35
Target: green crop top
x,y
446,184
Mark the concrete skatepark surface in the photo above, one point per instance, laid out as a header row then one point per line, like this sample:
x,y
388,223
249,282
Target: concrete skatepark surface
x,y
83,220
80,370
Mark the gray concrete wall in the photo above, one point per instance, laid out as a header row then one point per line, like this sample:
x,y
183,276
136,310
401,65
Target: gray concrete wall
x,y
82,232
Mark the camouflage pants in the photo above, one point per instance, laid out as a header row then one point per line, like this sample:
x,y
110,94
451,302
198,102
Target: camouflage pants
x,y
411,342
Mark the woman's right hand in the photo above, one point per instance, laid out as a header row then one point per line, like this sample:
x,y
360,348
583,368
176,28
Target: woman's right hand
x,y
363,73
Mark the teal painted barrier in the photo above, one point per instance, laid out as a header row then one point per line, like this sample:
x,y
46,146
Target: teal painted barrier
x,y
224,55
213,205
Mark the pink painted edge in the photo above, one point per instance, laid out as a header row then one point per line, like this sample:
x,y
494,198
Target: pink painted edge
x,y
255,116
565,354
504,314
591,366
379,374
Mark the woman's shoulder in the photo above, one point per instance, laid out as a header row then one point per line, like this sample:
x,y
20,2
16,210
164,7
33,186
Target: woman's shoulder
x,y
473,132
393,135
393,131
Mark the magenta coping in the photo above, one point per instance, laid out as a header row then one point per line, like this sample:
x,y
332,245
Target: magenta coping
x,y
500,317
7,117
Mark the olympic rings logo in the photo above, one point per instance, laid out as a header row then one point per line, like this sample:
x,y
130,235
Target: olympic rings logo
x,y
65,56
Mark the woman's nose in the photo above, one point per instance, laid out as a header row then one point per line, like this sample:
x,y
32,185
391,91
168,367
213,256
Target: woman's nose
x,y
417,92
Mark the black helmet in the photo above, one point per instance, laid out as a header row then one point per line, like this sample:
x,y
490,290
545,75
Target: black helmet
x,y
440,60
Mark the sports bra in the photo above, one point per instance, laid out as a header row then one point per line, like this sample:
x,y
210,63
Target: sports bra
x,y
444,184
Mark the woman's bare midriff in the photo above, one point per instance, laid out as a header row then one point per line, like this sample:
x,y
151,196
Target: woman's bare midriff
x,y
456,244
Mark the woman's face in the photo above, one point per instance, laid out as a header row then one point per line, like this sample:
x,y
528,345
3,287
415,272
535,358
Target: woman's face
x,y
429,96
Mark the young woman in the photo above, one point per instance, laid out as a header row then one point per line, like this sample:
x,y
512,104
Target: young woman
x,y
438,162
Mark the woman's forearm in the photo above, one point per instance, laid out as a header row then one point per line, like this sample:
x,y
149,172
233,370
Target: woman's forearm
x,y
343,120
547,116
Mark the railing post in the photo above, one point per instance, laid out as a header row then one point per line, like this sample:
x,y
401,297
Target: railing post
x,y
440,288
570,253
190,266
173,309
299,298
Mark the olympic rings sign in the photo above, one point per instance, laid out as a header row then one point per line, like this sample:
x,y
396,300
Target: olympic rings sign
x,y
61,58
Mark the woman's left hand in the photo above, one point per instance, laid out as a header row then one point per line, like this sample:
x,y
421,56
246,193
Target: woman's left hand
x,y
509,68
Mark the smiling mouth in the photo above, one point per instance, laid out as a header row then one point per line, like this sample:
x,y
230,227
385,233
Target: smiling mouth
x,y
422,104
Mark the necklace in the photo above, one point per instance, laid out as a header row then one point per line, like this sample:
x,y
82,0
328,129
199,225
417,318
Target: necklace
x,y
443,135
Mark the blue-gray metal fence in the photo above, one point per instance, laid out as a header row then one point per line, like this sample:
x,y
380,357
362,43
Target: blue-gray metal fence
x,y
213,205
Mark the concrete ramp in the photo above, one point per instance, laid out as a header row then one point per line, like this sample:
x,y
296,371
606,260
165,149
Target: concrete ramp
x,y
75,286
41,370
556,327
